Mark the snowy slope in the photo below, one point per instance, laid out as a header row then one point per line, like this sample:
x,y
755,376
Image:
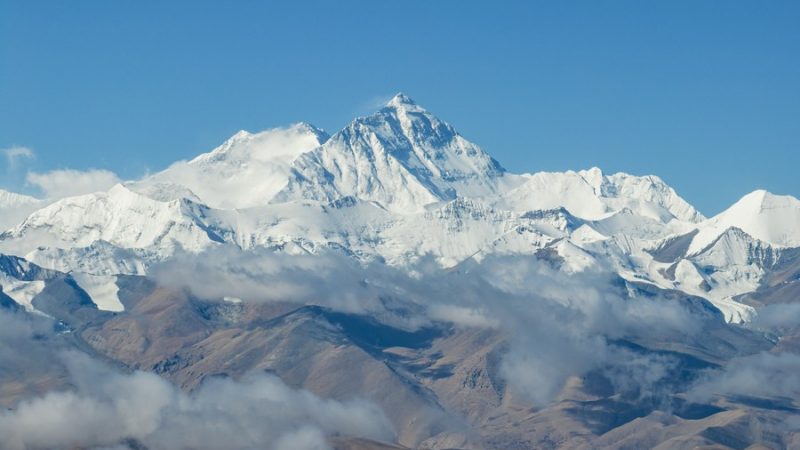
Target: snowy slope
x,y
10,200
774,219
14,207
102,289
733,264
121,217
590,194
401,157
247,170
21,280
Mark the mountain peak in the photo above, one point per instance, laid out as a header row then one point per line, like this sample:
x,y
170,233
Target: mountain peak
x,y
306,127
246,170
402,157
765,216
400,100
760,201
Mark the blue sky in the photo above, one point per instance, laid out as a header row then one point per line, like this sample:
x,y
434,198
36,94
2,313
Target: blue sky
x,y
704,94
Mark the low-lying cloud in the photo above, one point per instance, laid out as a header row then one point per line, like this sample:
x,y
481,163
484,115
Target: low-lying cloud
x,y
778,317
557,325
104,407
770,375
111,408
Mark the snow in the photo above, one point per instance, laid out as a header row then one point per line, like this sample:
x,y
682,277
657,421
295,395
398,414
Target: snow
x,y
11,199
119,216
774,219
15,207
396,186
401,157
22,292
689,279
102,289
245,171
589,194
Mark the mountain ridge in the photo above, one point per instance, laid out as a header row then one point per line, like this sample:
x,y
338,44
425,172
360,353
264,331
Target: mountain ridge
x,y
397,186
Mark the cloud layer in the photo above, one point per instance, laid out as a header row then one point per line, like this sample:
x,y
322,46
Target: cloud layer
x,y
109,408
557,325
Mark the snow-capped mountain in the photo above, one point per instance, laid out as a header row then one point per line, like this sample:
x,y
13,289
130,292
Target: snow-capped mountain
x,y
593,195
246,170
397,186
21,280
9,200
402,157
119,216
14,207
774,219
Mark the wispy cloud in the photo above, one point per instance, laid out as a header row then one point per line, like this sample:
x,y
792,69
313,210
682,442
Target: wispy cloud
x,y
771,375
373,104
17,153
68,182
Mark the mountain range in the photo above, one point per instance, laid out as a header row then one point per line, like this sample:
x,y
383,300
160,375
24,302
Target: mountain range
x,y
394,196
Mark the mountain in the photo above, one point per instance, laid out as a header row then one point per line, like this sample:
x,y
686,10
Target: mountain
x,y
442,387
774,219
398,263
14,207
397,186
22,281
590,194
9,200
119,216
401,157
246,170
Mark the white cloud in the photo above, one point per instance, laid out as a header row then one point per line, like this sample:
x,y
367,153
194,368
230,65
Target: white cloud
x,y
68,182
460,315
109,408
770,375
557,325
15,153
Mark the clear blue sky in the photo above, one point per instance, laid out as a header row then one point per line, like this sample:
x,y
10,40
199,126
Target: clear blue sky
x,y
705,94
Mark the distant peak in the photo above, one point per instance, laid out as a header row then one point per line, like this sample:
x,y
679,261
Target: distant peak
x,y
299,127
8,197
400,100
760,200
592,173
241,134
306,127
758,193
595,169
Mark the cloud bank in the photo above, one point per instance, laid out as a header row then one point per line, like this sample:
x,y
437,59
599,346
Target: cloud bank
x,y
557,325
108,408
770,375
